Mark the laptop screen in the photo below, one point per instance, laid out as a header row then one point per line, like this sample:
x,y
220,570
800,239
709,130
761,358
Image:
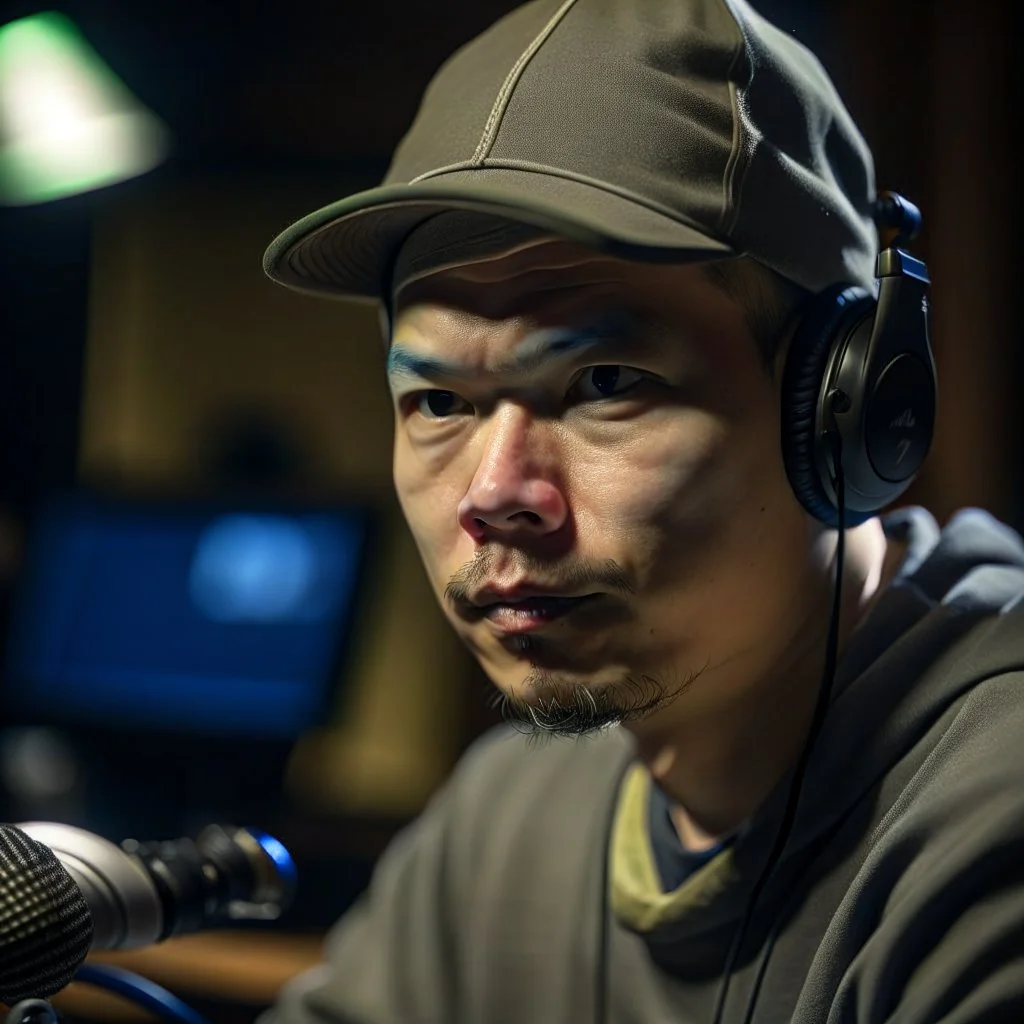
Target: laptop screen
x,y
184,618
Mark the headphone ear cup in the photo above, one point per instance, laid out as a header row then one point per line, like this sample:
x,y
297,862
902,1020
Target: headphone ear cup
x,y
827,323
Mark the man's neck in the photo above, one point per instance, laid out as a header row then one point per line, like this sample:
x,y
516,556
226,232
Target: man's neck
x,y
719,765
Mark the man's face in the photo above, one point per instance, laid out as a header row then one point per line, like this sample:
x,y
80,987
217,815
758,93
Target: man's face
x,y
587,453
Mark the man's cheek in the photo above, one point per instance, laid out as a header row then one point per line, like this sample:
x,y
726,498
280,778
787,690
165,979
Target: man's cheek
x,y
663,488
444,547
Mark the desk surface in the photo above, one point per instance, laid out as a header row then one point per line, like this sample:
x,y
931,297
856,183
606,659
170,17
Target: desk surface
x,y
243,967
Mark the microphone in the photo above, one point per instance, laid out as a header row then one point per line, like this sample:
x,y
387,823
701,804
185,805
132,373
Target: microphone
x,y
65,891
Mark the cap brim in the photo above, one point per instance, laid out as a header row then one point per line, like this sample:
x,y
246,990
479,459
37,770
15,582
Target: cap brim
x,y
348,248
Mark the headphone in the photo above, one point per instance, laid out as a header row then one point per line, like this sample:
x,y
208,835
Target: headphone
x,y
858,415
860,372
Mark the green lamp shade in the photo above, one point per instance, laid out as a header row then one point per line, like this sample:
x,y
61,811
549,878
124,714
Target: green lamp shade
x,y
67,123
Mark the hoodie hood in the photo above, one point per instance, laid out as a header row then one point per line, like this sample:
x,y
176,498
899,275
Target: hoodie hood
x,y
952,616
975,559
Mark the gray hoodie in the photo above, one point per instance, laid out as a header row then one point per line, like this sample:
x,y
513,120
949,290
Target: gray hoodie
x,y
524,893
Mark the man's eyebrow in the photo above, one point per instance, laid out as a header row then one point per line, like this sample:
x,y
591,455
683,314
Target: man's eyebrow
x,y
532,353
402,362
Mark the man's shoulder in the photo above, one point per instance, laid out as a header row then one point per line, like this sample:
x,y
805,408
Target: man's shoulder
x,y
970,778
982,731
986,730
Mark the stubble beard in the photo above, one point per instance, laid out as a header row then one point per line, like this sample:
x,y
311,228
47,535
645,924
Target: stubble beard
x,y
562,706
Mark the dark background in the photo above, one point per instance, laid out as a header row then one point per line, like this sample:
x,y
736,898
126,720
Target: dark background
x,y
331,88
307,100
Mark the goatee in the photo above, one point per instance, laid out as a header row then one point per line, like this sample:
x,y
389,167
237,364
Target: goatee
x,y
560,706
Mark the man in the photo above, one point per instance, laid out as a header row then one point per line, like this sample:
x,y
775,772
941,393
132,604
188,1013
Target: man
x,y
624,256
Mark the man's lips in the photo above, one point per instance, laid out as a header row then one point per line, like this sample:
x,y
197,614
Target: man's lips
x,y
523,615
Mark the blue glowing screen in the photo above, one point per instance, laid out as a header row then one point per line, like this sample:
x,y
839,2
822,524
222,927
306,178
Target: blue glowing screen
x,y
176,618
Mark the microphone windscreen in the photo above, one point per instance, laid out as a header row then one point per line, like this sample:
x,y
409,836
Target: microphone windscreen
x,y
45,922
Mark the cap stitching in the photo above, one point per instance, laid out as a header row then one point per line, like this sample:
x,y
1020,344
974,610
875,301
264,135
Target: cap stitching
x,y
508,86
730,206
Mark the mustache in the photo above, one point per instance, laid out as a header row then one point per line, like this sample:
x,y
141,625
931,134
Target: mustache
x,y
569,575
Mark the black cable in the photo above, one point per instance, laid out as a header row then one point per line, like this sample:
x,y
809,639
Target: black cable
x,y
799,773
601,1002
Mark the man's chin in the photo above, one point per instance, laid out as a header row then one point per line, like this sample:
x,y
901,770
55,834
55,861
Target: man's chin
x,y
553,703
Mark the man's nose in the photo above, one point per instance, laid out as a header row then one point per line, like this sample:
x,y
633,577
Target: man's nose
x,y
515,488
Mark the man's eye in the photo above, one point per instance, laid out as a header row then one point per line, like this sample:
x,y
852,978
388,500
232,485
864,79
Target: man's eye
x,y
435,404
597,382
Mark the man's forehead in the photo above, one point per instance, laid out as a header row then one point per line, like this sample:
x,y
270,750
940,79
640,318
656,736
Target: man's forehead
x,y
543,295
471,273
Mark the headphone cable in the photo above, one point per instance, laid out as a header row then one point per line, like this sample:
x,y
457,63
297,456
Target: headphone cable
x,y
602,1007
800,771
